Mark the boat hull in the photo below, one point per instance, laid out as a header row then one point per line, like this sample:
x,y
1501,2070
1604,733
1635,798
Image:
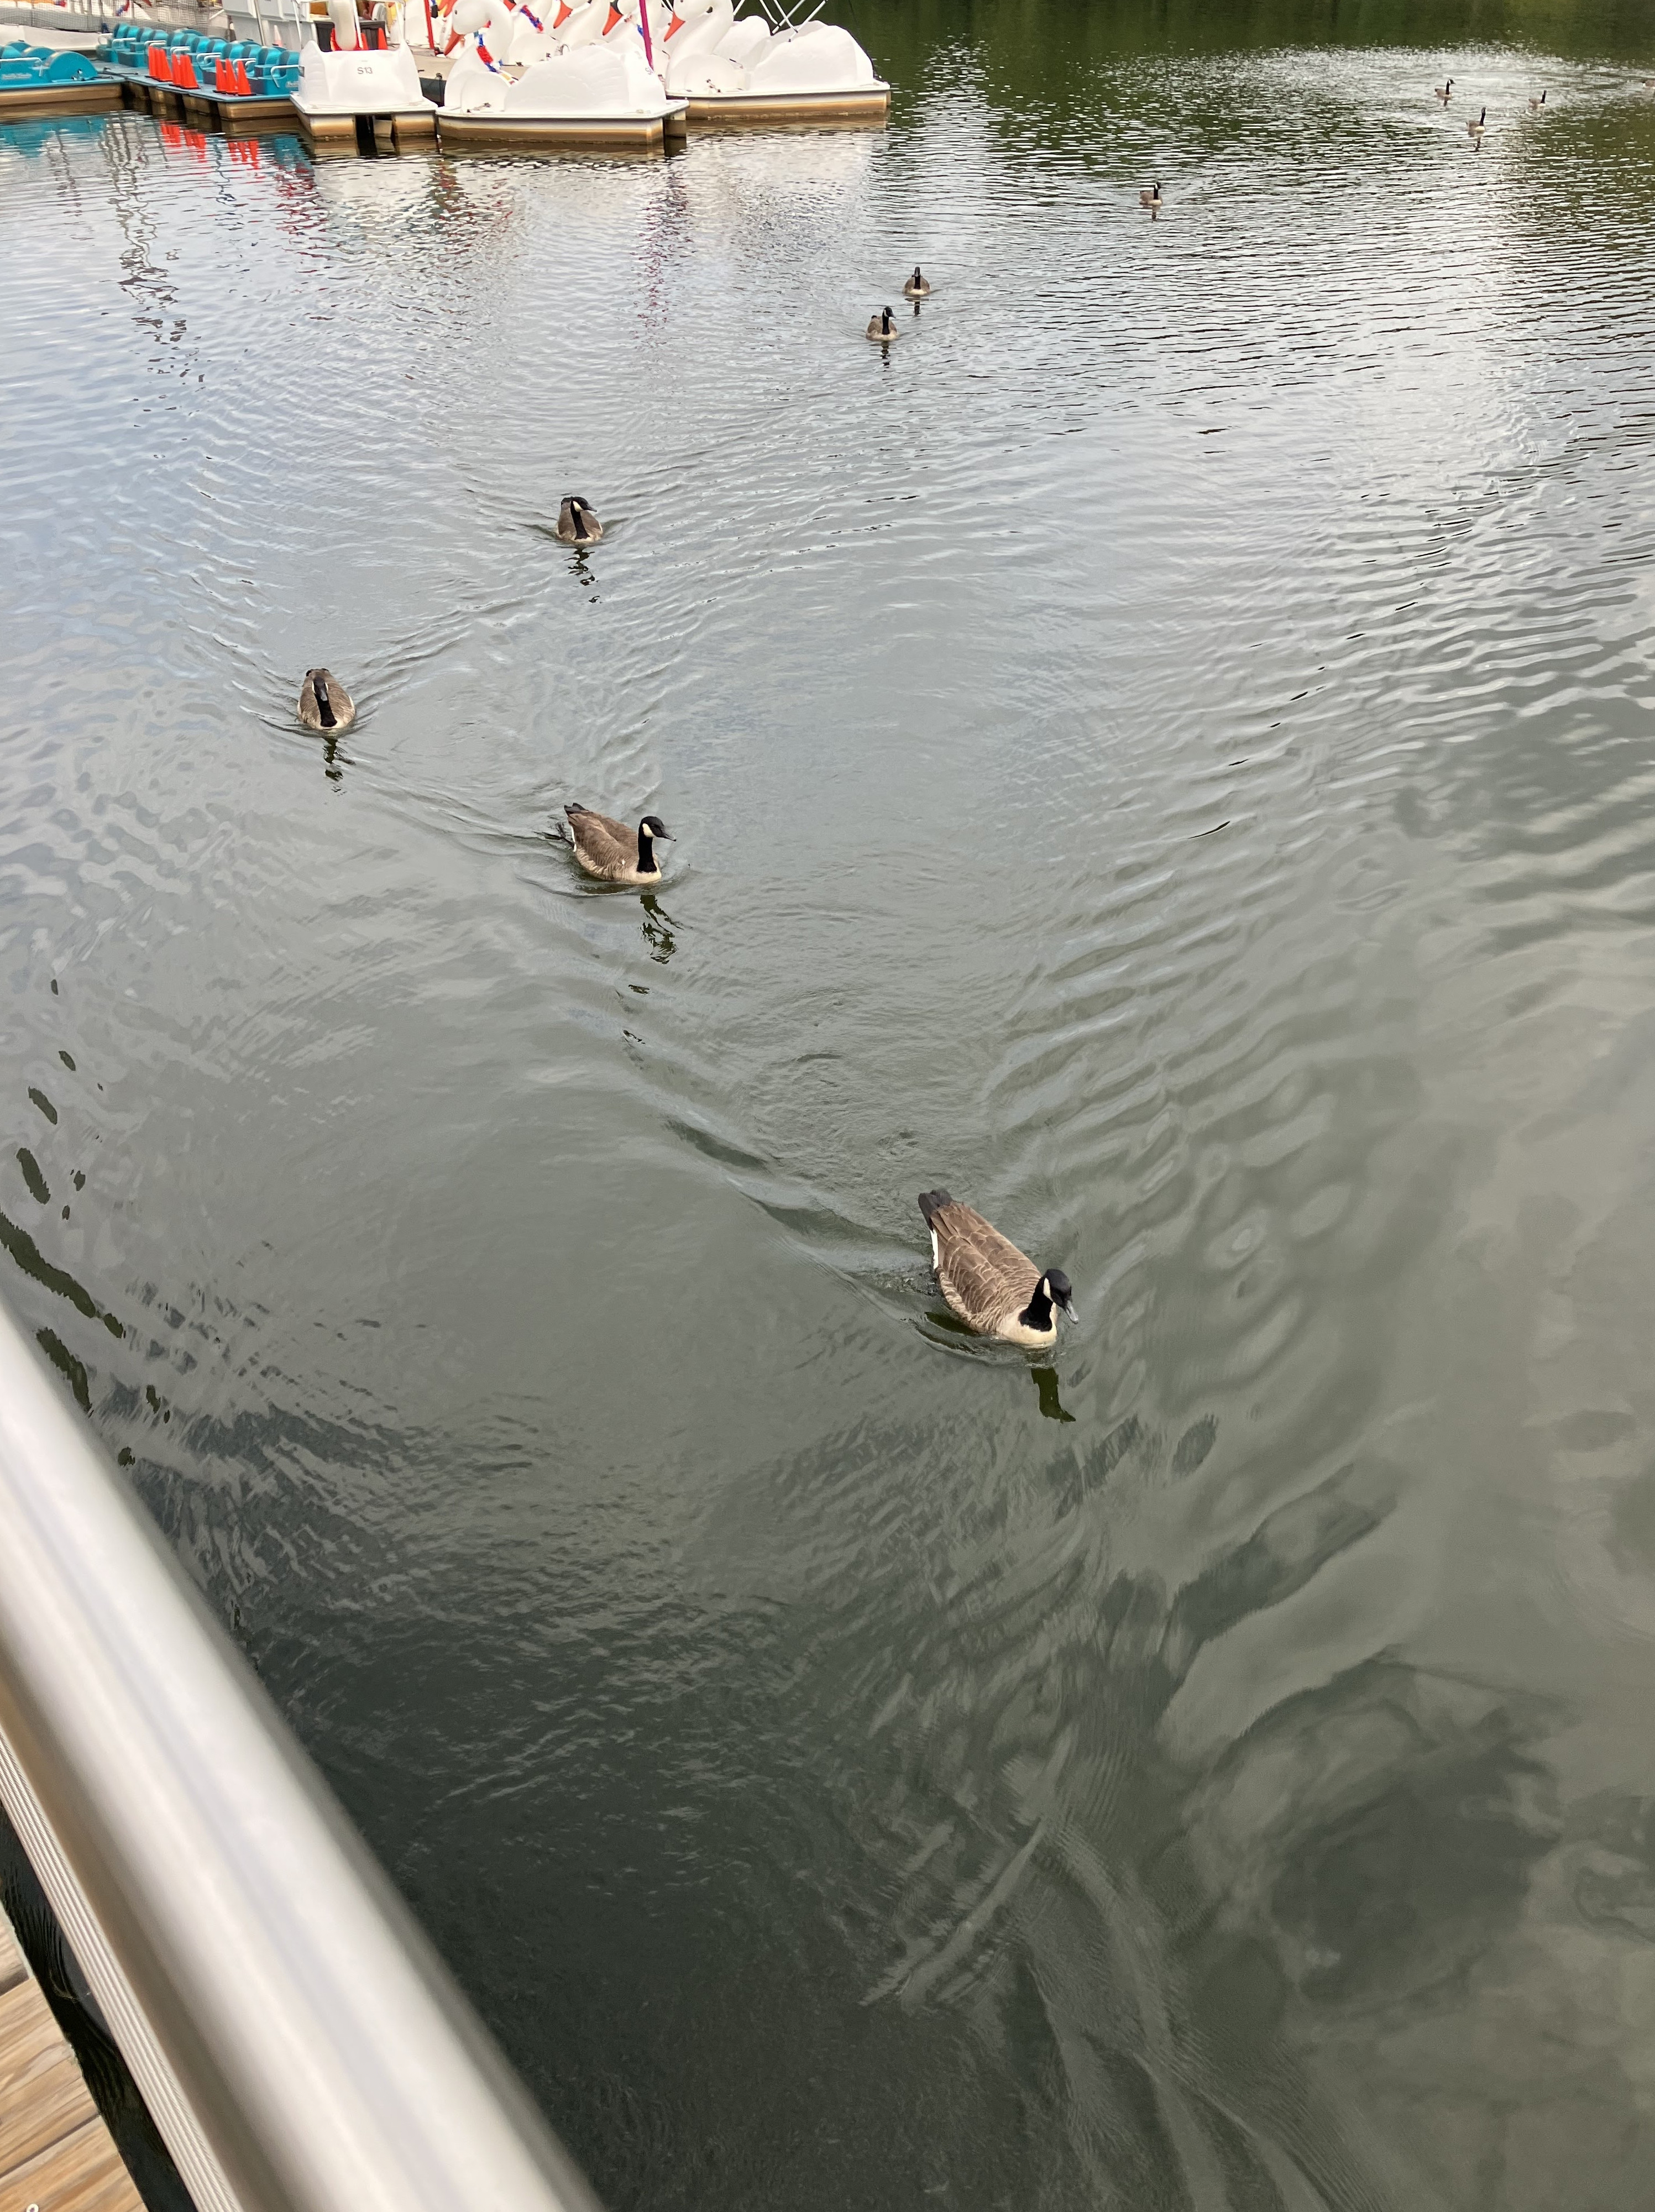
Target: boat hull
x,y
29,101
636,132
395,130
869,103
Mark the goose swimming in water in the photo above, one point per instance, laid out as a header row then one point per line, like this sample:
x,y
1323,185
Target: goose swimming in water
x,y
576,524
992,1287
1151,199
612,853
323,702
883,326
1475,129
1445,92
1541,102
916,287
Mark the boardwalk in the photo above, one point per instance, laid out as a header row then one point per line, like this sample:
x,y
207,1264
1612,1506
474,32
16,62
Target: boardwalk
x,y
55,2152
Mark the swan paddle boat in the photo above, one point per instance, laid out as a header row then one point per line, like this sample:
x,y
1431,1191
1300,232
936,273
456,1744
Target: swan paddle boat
x,y
569,77
358,96
768,69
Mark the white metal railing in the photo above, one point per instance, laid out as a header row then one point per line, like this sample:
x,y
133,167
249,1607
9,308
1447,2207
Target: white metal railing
x,y
297,2042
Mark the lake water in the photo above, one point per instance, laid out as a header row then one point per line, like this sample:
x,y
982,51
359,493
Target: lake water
x,y
1168,751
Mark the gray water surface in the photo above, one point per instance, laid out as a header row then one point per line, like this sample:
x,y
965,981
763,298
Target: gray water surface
x,y
1168,752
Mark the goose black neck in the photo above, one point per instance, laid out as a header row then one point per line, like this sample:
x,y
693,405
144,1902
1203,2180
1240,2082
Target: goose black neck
x,y
1038,1312
324,707
646,862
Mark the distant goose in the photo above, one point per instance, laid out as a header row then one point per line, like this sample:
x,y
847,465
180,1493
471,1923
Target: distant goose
x,y
1445,92
323,702
883,326
915,288
986,1281
1541,102
1475,129
611,851
1151,198
576,524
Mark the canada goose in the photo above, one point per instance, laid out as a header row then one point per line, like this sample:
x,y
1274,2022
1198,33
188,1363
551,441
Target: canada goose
x,y
323,702
986,1281
882,327
1541,102
576,524
611,851
1475,129
1151,198
1445,92
916,287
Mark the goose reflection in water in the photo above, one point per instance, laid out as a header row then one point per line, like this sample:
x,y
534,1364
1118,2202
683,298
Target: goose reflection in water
x,y
659,932
1045,1384
1044,1379
1165,1947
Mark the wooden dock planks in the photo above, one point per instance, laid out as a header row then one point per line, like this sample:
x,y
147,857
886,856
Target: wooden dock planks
x,y
55,2152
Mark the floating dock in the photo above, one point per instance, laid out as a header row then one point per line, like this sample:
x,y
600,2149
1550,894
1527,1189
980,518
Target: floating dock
x,y
55,2151
234,85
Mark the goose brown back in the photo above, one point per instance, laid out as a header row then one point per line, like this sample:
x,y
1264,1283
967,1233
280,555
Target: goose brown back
x,y
985,1279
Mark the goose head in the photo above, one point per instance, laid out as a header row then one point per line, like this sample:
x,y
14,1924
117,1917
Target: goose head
x,y
576,523
1053,1294
651,831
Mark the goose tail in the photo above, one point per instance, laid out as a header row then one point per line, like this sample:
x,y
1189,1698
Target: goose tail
x,y
932,1203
